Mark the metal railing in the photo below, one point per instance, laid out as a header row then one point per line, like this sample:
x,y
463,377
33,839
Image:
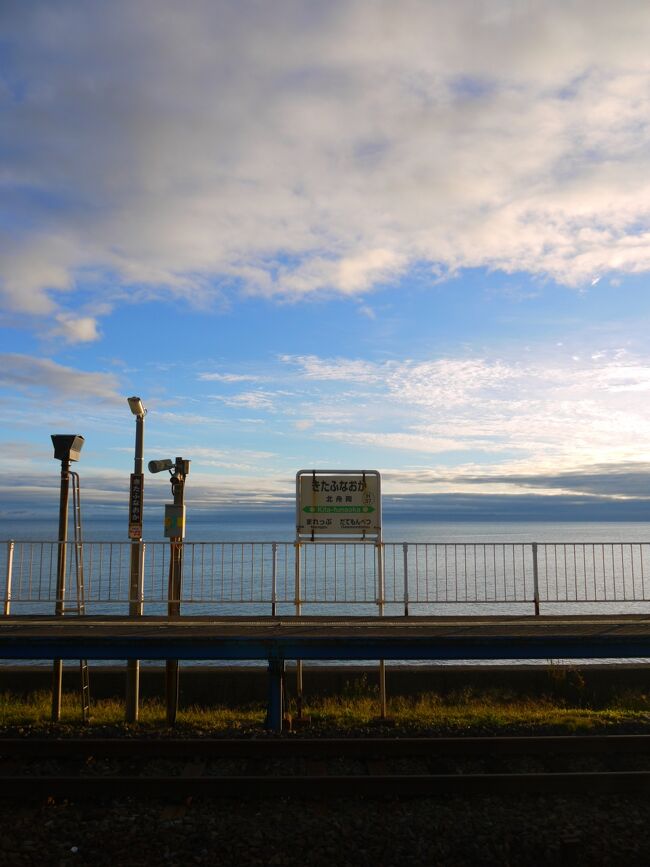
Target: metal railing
x,y
406,578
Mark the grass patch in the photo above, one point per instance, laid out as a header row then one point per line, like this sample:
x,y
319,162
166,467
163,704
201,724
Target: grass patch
x,y
461,712
34,710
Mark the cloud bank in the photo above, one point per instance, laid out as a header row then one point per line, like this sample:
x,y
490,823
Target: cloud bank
x,y
543,410
45,380
295,148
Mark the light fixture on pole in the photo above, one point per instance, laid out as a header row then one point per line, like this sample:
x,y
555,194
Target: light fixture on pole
x,y
136,495
136,405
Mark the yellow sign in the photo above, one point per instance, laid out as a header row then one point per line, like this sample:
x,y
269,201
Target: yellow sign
x,y
174,521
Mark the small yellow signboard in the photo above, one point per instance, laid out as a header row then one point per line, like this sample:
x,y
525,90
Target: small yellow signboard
x,y
174,521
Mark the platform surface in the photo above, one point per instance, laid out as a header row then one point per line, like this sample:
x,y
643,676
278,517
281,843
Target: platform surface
x,y
335,638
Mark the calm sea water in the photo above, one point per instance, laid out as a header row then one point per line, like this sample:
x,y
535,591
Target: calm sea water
x,y
276,526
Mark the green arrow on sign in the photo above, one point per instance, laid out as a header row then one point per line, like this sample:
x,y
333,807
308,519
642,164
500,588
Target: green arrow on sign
x,y
346,510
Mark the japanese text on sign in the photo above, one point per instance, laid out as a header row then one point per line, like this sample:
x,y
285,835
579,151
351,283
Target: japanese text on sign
x,y
135,505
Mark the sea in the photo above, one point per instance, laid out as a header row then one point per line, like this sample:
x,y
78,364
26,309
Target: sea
x,y
239,525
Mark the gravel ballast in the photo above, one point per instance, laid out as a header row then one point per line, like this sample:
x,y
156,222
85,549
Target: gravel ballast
x,y
450,832
486,831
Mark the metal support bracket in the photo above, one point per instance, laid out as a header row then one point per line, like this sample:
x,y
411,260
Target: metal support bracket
x,y
275,711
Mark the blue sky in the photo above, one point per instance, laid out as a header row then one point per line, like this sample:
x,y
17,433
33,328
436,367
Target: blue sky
x,y
409,237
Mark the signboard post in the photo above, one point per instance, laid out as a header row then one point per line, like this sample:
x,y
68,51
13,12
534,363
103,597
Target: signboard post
x,y
339,505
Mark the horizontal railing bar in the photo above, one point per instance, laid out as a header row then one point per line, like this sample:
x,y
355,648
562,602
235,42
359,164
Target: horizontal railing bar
x,y
338,541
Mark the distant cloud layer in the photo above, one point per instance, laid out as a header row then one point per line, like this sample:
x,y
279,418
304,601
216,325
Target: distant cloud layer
x,y
543,410
43,380
289,148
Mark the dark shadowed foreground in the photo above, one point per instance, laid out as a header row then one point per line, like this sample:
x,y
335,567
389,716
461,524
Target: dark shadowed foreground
x,y
486,831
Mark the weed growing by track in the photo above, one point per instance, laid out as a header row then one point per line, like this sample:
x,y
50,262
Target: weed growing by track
x,y
461,712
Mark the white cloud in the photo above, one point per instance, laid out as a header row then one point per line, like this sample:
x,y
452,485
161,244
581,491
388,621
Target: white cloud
x,y
227,377
236,460
39,377
350,275
500,424
184,418
251,399
431,444
209,454
75,329
551,411
293,148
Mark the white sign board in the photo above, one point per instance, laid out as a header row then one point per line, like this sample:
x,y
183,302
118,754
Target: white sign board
x,y
338,503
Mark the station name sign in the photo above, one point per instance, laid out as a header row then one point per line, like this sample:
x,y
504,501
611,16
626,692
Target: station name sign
x,y
135,505
338,503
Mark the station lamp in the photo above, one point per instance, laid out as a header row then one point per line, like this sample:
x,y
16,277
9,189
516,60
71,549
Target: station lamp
x,y
136,405
67,447
160,466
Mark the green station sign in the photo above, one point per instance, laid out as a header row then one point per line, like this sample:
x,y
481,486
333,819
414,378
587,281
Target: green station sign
x,y
345,503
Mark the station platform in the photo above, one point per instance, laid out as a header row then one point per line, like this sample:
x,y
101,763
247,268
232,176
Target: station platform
x,y
326,638
276,640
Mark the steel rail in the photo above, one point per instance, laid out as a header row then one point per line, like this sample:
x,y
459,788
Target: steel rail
x,y
21,788
317,783
294,747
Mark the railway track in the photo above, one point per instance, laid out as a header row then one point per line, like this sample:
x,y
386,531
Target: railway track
x,y
83,768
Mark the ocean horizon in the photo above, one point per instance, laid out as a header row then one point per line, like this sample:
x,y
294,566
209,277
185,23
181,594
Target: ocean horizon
x,y
241,525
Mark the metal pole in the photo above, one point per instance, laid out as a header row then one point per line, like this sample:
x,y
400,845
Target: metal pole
x,y
405,551
381,594
173,610
274,579
135,584
57,667
10,567
275,708
535,580
174,593
298,605
296,594
380,601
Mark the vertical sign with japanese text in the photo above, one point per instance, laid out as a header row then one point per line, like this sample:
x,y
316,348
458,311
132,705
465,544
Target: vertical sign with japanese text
x,y
135,505
338,503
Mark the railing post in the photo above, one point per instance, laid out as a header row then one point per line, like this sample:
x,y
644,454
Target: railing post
x,y
10,567
298,606
275,707
296,593
274,578
143,550
381,589
62,553
535,580
405,550
174,589
381,594
132,703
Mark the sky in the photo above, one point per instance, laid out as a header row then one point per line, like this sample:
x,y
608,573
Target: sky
x,y
407,237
